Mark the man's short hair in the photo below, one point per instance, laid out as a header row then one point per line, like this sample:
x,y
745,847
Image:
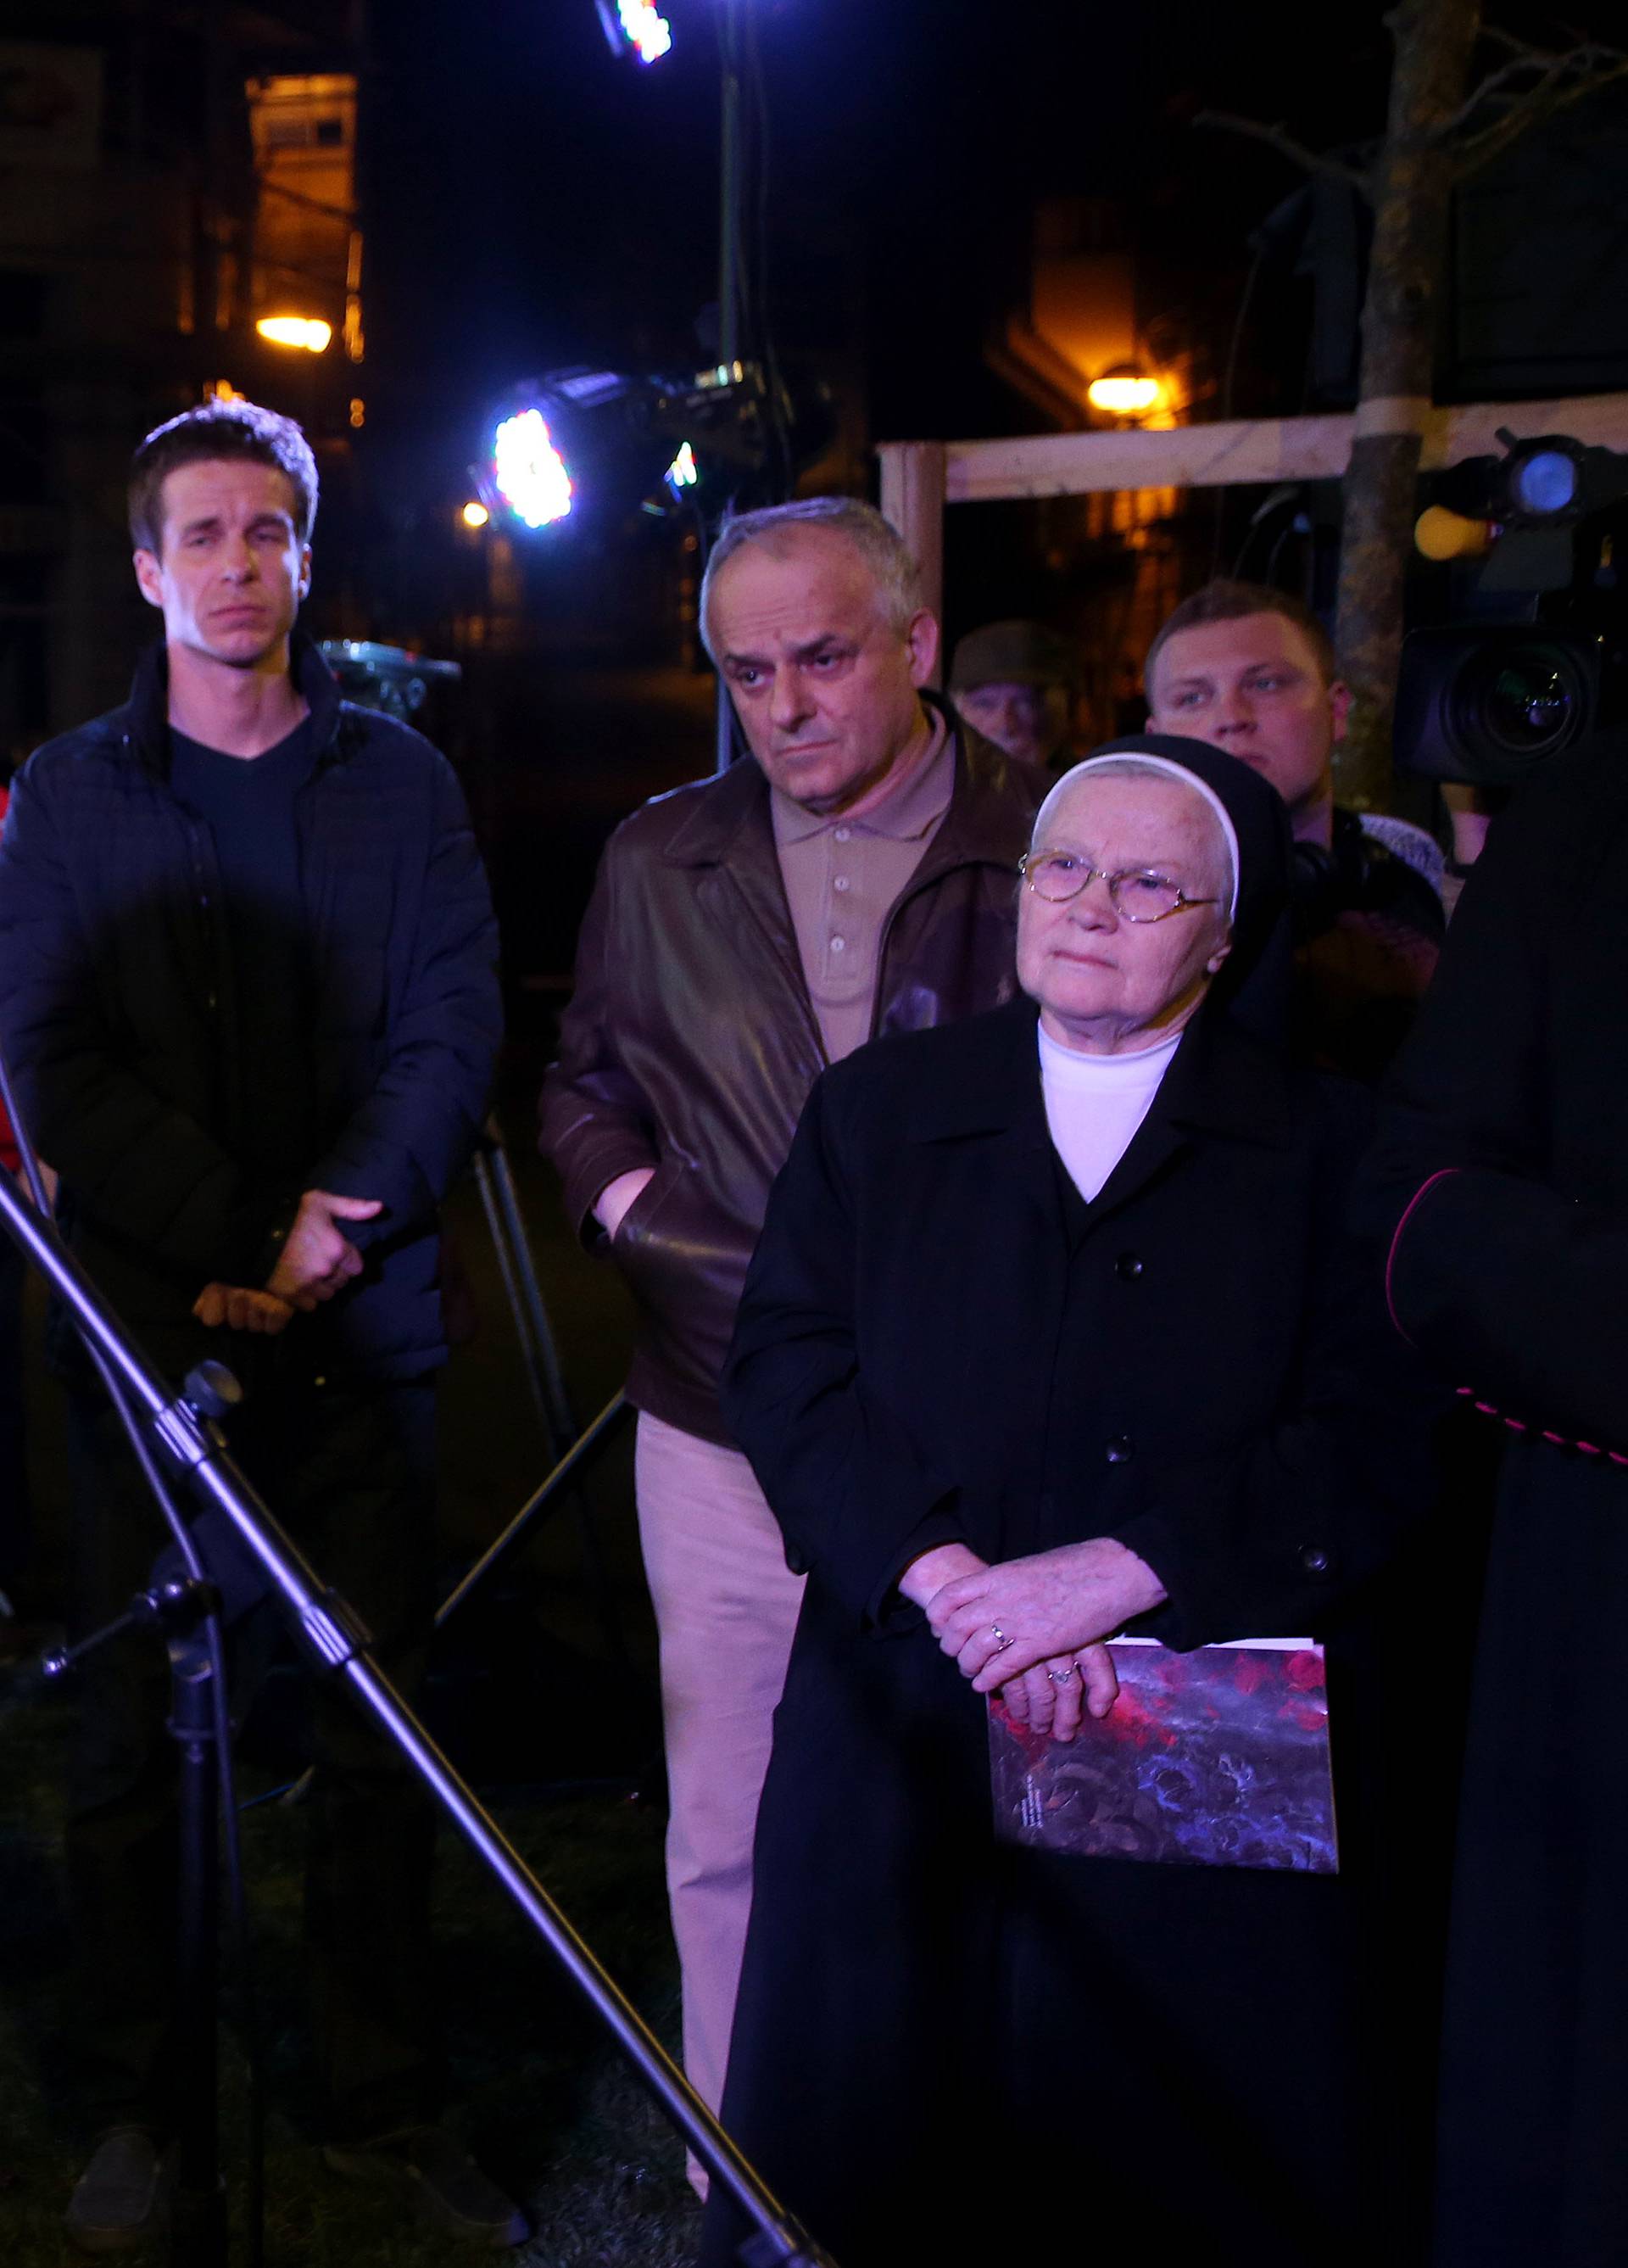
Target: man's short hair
x,y
1225,602
877,541
216,432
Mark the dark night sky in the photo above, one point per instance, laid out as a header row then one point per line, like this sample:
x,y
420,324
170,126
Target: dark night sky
x,y
536,204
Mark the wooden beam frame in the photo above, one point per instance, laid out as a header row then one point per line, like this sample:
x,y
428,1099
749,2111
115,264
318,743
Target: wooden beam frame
x,y
919,478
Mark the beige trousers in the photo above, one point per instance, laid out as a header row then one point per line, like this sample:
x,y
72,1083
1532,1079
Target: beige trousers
x,y
726,1605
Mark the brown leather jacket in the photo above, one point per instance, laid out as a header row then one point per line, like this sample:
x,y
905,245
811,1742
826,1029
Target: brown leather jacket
x,y
691,1043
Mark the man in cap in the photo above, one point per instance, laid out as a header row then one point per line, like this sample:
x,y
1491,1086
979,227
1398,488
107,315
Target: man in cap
x,y
1016,682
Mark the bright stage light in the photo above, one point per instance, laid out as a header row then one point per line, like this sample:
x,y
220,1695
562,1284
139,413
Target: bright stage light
x,y
306,331
1124,393
528,471
684,472
647,32
475,513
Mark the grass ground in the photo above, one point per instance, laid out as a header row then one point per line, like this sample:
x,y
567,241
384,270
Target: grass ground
x,y
551,2107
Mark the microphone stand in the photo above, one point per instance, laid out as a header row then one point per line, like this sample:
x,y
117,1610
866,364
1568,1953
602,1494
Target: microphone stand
x,y
334,1636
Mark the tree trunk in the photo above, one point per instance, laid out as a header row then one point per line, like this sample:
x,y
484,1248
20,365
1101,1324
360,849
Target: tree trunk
x,y
1412,186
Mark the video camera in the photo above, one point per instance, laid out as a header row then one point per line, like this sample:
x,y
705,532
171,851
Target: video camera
x,y
1534,657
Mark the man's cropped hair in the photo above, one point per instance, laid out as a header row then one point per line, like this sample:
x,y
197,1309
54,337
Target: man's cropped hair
x,y
1226,601
215,433
877,540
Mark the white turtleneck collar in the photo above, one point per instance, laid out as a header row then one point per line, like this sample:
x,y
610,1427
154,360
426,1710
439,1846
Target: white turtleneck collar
x,y
1093,1104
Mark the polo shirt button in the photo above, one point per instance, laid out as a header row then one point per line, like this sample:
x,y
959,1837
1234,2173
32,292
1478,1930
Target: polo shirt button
x,y
839,945
840,834
841,883
1127,1267
1118,1449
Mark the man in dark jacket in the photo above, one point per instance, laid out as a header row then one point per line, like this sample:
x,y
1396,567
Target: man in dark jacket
x,y
1251,670
856,878
248,990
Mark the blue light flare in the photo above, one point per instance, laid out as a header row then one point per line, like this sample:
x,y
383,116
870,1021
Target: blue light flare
x,y
528,472
645,30
684,472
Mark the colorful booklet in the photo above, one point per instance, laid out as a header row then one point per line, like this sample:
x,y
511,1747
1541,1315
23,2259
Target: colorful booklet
x,y
1214,1758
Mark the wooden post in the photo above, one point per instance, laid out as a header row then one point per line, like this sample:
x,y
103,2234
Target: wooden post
x,y
913,498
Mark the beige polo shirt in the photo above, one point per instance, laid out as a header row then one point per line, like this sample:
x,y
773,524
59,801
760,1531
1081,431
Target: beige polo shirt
x,y
842,876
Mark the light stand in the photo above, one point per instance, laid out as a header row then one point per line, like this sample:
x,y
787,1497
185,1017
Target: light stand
x,y
332,1636
185,1611
728,271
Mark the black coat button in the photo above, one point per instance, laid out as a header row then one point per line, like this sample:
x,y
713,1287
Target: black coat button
x,y
1128,1267
1118,1449
1316,1560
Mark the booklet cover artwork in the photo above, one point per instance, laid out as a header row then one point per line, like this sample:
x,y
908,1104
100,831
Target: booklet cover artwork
x,y
1214,1758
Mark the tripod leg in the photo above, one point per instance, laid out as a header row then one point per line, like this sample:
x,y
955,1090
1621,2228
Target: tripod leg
x,y
537,1340
198,2223
547,1355
485,1182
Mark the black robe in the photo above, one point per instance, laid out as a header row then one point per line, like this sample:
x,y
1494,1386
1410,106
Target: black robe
x,y
1502,1183
943,2046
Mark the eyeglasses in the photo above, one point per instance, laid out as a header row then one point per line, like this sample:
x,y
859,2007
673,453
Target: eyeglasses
x,y
1138,894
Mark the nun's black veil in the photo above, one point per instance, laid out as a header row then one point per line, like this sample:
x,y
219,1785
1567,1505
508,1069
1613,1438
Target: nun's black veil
x,y
1253,984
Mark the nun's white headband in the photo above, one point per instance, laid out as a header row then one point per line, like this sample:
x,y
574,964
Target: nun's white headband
x,y
1134,757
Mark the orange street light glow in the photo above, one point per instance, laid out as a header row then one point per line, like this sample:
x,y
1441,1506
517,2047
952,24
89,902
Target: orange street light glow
x,y
475,514
307,331
1121,394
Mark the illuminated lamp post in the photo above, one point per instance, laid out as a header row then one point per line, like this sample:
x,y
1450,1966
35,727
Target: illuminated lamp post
x,y
1126,392
307,331
637,27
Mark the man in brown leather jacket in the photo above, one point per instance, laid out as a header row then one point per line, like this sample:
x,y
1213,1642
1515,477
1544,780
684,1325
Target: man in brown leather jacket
x,y
857,878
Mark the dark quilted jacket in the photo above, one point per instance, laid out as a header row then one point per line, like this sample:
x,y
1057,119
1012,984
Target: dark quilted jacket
x,y
116,1013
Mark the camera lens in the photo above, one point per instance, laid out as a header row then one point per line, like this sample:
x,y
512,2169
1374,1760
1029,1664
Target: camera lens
x,y
1515,705
1545,482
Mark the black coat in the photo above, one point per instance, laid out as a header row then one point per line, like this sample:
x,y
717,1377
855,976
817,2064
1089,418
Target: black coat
x,y
117,1014
939,1341
1502,1183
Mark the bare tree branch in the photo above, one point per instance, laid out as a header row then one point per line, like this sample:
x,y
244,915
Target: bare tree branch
x,y
1499,38
1525,61
1278,138
1566,79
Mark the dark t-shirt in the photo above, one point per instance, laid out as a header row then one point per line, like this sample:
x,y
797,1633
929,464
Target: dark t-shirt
x,y
249,804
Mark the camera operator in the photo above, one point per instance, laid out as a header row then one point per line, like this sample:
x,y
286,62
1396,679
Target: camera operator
x,y
1251,670
855,877
248,990
1498,1192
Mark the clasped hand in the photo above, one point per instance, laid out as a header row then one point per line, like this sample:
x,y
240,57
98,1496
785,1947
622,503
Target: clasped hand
x,y
317,1260
1033,1627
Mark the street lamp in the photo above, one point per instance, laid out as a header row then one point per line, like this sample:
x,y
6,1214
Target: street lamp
x,y
307,331
1124,391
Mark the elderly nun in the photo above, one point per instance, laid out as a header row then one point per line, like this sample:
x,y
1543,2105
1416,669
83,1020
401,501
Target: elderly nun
x,y
1055,1327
